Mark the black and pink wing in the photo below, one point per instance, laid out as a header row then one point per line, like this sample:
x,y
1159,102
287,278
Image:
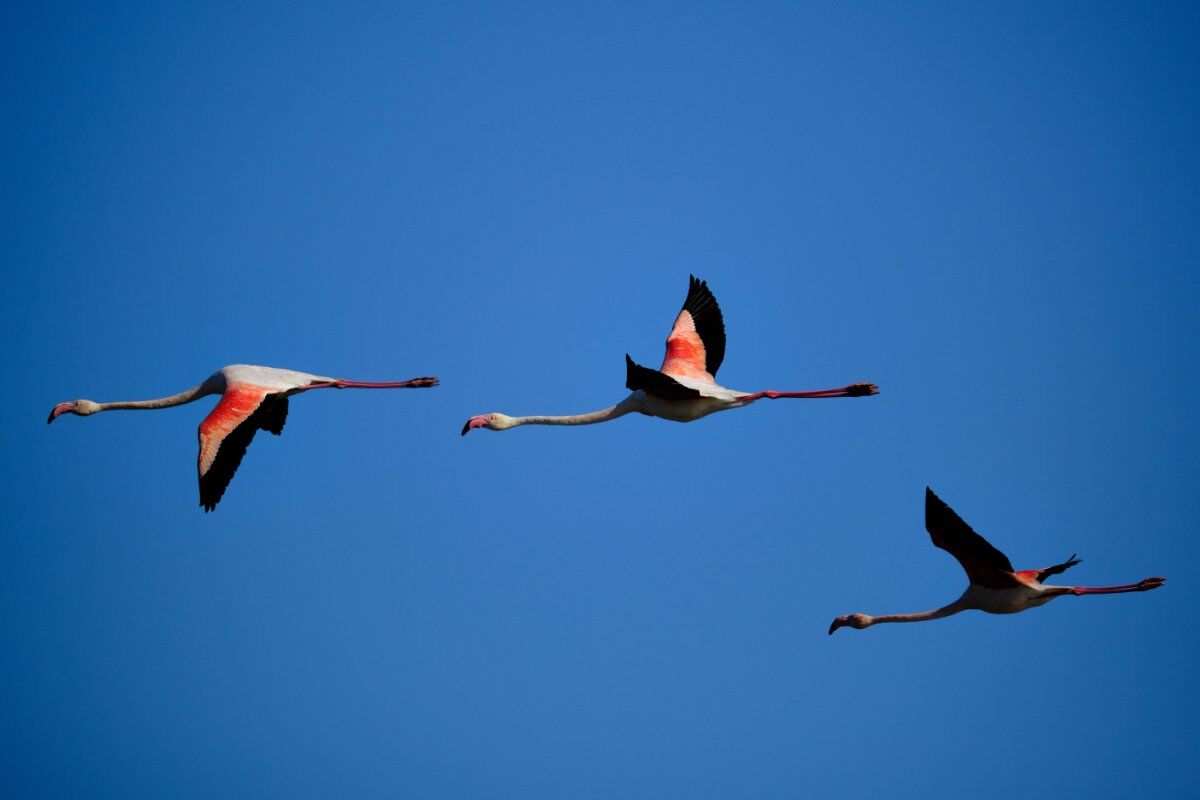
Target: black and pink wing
x,y
984,564
226,433
655,383
696,344
1040,575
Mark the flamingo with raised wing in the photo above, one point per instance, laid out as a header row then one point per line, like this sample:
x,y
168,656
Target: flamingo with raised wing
x,y
252,399
995,587
684,388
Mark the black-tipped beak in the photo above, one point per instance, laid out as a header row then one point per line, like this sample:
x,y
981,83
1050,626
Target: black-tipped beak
x,y
837,623
479,421
51,418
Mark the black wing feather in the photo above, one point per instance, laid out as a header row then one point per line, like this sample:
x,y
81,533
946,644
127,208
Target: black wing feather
x,y
710,324
956,537
275,415
270,415
653,382
1057,568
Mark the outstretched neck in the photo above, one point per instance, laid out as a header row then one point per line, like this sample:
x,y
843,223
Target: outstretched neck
x,y
186,396
603,415
922,616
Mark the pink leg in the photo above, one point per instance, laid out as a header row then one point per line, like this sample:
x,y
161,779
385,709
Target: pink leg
x,y
1143,586
415,383
853,390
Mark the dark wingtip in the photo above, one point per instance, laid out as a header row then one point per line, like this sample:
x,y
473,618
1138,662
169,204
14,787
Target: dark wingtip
x,y
932,501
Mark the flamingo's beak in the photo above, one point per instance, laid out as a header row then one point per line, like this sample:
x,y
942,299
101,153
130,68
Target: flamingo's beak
x,y
59,410
473,423
837,623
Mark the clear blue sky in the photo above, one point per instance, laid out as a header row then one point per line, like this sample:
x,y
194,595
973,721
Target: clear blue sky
x,y
990,212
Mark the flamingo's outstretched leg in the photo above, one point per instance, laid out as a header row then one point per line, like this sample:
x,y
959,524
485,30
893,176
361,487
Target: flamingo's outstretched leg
x,y
1143,586
853,390
415,383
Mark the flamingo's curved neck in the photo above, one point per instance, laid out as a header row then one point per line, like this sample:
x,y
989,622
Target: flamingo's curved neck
x,y
186,396
603,415
921,616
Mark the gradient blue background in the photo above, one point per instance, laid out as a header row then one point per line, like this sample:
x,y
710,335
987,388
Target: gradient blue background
x,y
991,212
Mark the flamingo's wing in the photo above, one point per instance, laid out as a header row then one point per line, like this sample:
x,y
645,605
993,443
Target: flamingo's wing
x,y
984,564
275,416
655,383
696,344
1046,572
227,432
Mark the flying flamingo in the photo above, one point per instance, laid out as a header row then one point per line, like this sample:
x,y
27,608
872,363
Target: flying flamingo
x,y
252,399
684,388
995,587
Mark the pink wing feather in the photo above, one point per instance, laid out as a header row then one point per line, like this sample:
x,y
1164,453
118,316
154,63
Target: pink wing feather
x,y
227,432
696,344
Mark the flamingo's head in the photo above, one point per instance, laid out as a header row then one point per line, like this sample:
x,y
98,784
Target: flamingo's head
x,y
493,422
856,621
80,408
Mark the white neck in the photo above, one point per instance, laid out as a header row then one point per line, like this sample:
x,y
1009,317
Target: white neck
x,y
185,396
603,415
922,616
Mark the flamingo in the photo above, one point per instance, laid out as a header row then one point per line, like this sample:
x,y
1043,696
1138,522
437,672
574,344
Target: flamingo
x,y
684,388
995,587
252,399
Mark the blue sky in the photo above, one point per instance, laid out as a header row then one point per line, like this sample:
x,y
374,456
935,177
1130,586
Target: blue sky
x,y
989,211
